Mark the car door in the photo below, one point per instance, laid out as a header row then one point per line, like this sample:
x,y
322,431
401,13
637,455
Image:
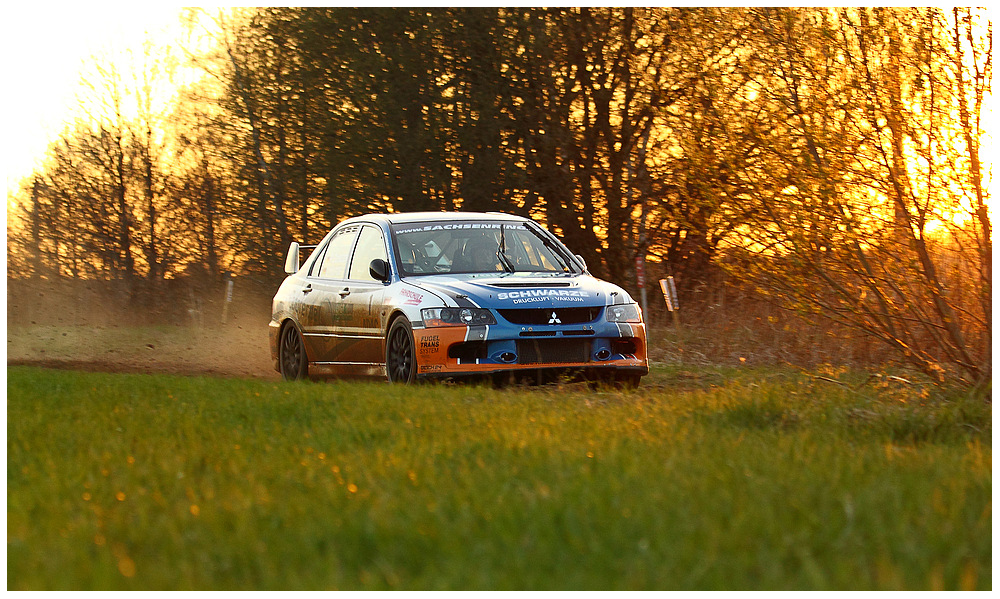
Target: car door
x,y
363,335
325,314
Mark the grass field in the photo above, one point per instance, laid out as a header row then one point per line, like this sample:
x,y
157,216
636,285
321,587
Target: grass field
x,y
702,479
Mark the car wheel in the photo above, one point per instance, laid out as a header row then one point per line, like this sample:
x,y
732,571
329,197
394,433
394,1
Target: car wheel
x,y
292,354
400,357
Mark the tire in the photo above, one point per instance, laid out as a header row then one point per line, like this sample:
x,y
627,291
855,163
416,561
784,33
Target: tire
x,y
292,359
400,354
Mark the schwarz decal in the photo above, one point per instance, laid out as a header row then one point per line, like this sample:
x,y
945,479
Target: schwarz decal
x,y
543,293
430,368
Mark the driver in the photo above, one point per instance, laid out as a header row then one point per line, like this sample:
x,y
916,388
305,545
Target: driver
x,y
481,253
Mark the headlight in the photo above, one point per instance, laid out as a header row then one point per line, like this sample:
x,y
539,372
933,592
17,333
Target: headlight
x,y
624,313
456,317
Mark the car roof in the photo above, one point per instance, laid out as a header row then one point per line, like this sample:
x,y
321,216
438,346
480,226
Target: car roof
x,y
414,217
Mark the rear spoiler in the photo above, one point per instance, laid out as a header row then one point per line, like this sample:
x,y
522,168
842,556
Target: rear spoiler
x,y
292,259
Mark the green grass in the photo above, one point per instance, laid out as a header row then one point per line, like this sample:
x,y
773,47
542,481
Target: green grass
x,y
703,479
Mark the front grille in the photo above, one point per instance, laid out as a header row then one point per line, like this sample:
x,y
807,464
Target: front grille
x,y
626,346
468,352
536,316
553,351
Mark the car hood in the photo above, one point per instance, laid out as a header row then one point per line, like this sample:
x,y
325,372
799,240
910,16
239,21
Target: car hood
x,y
523,290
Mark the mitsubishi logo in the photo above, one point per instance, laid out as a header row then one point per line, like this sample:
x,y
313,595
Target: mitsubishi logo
x,y
554,319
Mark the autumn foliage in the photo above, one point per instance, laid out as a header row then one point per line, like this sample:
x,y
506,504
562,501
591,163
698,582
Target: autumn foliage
x,y
827,159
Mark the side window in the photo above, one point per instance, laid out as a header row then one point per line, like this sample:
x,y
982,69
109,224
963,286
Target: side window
x,y
370,246
337,253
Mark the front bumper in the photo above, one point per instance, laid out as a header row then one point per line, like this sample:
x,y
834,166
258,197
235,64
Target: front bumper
x,y
451,351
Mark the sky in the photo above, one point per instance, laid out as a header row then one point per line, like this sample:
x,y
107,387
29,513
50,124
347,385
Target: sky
x,y
44,45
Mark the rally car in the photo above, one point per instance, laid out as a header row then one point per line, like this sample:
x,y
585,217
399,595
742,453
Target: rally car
x,y
448,295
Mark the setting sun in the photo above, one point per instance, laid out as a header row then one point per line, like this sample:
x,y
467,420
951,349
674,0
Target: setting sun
x,y
46,46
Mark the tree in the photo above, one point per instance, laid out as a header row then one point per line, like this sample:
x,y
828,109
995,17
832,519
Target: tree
x,y
854,210
830,158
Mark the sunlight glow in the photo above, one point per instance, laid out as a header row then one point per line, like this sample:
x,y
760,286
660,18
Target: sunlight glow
x,y
45,47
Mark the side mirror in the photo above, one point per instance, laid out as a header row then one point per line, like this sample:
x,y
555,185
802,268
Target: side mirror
x,y
379,270
292,259
582,262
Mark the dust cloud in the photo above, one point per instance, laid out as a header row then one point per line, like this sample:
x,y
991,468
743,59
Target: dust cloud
x,y
86,326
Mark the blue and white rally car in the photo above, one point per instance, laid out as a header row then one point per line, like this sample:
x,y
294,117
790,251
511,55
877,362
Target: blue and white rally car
x,y
445,295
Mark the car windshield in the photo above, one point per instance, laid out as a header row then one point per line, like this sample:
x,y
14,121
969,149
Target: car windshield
x,y
475,247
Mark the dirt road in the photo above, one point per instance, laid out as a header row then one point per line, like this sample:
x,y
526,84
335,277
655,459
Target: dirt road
x,y
232,351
